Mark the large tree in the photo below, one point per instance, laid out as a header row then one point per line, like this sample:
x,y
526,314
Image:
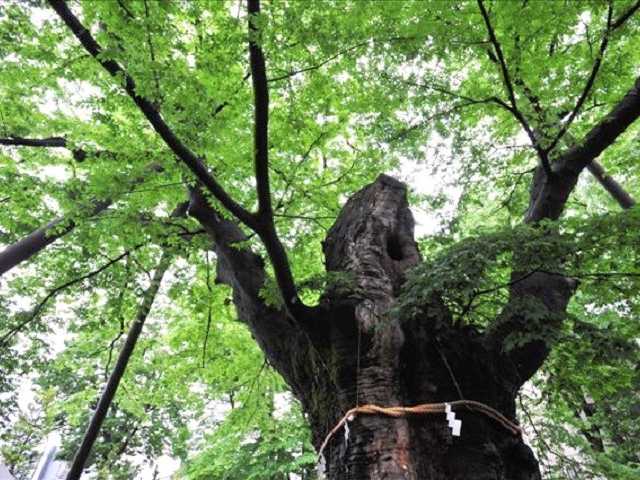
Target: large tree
x,y
267,131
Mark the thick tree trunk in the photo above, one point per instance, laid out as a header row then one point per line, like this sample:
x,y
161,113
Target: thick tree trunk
x,y
351,350
376,358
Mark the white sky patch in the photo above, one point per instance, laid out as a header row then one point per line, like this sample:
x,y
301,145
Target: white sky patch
x,y
166,467
79,91
282,405
58,173
39,16
342,77
422,181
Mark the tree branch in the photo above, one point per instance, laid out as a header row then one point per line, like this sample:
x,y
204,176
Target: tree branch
x,y
496,45
625,16
624,199
588,86
542,154
264,225
39,239
288,180
319,64
616,190
209,309
244,272
549,197
52,142
193,162
49,142
446,91
261,111
54,292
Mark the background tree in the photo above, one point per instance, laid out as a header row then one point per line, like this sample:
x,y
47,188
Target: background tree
x,y
116,112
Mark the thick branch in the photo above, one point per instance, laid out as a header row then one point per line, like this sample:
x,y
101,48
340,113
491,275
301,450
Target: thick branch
x,y
49,142
261,111
39,239
265,229
625,16
372,238
111,387
624,199
619,194
549,196
194,163
265,226
616,190
243,271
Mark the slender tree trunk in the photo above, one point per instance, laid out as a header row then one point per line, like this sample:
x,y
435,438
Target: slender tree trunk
x,y
40,238
111,387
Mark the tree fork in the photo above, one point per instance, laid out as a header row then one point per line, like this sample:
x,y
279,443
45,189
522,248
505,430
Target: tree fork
x,y
261,222
353,352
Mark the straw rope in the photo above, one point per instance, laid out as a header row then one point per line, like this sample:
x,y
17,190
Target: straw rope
x,y
423,409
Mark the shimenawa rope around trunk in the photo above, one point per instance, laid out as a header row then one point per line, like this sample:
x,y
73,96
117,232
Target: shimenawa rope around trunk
x,y
423,409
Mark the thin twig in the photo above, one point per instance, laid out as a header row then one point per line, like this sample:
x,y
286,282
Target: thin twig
x,y
320,64
506,77
38,308
210,299
589,85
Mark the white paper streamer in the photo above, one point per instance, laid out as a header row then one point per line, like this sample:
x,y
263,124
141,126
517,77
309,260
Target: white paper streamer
x,y
454,424
346,433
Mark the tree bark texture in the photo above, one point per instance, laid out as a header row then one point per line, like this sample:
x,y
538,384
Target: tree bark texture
x,y
351,350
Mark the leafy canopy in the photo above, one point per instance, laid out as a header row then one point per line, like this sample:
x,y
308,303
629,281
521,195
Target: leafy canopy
x,y
356,88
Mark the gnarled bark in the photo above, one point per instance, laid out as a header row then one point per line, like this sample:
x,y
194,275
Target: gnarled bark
x,y
390,361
